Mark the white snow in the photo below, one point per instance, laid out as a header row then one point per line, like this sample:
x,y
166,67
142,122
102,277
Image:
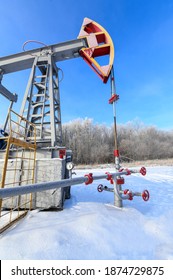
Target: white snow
x,y
90,228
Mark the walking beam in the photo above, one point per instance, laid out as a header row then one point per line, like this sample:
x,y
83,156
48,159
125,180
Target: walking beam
x,y
24,60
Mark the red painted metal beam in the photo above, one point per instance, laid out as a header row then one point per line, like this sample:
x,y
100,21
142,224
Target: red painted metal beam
x,y
99,44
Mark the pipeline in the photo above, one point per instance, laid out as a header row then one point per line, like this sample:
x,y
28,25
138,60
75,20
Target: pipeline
x,y
38,187
120,194
113,178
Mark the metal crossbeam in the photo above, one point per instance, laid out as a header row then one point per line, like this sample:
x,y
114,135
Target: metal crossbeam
x,y
6,93
24,60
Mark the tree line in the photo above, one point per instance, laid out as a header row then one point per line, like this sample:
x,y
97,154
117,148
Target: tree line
x,y
94,143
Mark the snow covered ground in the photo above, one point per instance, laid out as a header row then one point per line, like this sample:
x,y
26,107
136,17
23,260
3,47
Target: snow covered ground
x,y
90,228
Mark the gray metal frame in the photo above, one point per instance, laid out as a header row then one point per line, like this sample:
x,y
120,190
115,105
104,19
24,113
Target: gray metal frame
x,y
41,102
24,60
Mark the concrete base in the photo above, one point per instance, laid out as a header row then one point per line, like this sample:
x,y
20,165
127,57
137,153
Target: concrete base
x,y
47,169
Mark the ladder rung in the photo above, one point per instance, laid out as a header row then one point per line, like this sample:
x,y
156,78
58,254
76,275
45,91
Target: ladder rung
x,y
38,124
38,85
41,76
47,114
38,103
40,94
36,115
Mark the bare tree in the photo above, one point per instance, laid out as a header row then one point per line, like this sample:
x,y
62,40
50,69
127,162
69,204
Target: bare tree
x,y
94,143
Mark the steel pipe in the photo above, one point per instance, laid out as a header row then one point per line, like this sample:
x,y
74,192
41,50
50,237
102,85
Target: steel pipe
x,y
33,188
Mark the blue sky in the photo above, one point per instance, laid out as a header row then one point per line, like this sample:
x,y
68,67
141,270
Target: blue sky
x,y
142,32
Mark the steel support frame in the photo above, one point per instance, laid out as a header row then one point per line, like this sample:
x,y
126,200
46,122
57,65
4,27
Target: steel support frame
x,y
43,108
30,59
7,94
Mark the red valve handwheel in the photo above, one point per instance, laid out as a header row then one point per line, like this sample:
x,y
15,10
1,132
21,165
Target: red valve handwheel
x,y
126,191
143,171
145,195
129,193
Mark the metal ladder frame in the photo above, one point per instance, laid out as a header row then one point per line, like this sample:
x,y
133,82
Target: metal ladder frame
x,y
42,107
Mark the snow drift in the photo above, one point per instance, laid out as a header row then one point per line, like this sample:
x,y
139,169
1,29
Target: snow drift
x,y
90,228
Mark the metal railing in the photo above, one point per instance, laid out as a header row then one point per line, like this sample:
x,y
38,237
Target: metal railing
x,y
17,168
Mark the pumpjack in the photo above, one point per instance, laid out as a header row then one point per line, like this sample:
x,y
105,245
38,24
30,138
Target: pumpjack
x,y
41,101
41,109
41,104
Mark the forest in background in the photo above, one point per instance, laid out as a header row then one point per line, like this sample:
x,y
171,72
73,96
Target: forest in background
x,y
94,143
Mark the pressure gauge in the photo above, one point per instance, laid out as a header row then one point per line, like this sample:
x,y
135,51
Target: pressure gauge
x,y
69,165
